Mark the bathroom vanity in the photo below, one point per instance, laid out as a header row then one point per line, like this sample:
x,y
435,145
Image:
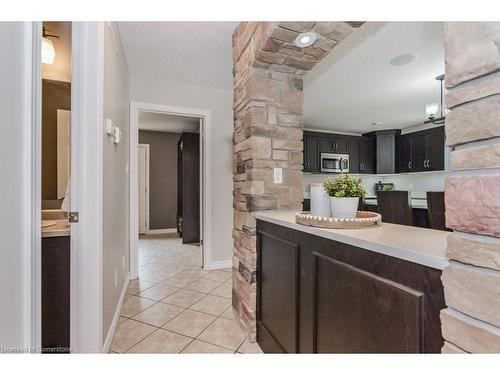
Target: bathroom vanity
x,y
55,282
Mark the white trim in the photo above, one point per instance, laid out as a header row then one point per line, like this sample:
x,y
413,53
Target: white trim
x,y
148,161
116,318
32,190
87,186
162,231
218,265
135,108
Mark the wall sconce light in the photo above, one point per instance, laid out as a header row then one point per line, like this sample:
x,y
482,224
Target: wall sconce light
x,y
48,50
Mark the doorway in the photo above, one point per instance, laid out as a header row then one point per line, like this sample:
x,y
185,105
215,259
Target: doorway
x,y
174,211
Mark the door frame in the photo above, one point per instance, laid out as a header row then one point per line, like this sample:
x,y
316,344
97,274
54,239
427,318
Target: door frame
x,y
148,155
87,121
32,299
86,186
205,180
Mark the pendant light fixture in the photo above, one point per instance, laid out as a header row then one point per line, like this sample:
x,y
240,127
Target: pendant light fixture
x,y
434,112
48,50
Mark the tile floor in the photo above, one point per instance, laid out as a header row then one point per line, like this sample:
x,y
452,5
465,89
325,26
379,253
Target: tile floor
x,y
177,307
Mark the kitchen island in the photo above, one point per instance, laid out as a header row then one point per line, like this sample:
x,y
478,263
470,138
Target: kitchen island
x,y
348,290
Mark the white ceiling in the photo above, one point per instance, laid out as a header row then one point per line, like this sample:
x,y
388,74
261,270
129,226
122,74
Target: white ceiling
x,y
168,123
198,53
355,85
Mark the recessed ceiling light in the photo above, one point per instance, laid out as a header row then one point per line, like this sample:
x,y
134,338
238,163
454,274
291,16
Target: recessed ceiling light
x,y
403,59
305,39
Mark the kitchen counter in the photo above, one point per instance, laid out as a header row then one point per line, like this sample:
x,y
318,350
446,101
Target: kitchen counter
x,y
61,228
415,202
418,245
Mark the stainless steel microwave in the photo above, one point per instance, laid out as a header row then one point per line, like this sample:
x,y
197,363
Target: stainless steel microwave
x,y
334,163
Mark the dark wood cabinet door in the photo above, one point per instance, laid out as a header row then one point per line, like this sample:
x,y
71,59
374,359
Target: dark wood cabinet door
x,y
341,145
56,294
327,144
354,160
435,151
386,153
419,153
311,153
367,155
358,312
404,154
278,294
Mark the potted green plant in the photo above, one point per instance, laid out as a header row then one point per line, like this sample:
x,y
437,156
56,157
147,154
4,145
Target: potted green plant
x,y
344,192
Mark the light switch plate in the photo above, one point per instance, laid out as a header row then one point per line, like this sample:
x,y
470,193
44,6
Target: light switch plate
x,y
110,127
278,175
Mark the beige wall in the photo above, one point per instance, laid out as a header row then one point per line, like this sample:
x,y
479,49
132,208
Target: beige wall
x,y
115,176
162,177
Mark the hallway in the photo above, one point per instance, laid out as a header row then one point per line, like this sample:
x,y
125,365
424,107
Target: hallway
x,y
177,307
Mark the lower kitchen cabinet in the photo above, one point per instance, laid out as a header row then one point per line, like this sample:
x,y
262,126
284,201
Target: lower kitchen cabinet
x,y
316,295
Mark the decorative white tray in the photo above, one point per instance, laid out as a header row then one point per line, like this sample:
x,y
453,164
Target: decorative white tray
x,y
363,219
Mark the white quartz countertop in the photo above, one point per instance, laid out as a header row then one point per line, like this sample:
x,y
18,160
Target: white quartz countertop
x,y
418,245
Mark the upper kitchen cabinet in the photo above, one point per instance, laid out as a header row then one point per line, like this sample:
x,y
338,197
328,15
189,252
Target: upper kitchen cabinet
x,y
385,150
311,152
334,144
361,152
422,151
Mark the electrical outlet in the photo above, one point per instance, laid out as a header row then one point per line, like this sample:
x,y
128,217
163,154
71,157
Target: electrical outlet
x,y
116,278
278,175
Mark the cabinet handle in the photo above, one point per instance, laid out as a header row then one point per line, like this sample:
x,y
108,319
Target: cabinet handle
x,y
409,165
428,163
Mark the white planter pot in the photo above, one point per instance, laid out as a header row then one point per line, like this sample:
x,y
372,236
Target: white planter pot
x,y
344,208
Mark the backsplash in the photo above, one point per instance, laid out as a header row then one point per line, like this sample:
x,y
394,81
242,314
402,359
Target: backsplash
x,y
417,183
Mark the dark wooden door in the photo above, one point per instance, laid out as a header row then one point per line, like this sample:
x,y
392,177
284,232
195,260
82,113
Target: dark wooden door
x,y
341,145
386,153
435,151
190,149
419,152
367,155
327,144
405,154
358,312
354,160
56,294
311,153
278,294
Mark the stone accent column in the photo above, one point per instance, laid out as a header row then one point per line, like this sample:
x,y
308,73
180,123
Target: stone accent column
x,y
471,321
268,99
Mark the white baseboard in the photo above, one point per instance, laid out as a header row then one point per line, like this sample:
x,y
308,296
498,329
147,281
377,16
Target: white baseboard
x,y
112,329
219,264
162,231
